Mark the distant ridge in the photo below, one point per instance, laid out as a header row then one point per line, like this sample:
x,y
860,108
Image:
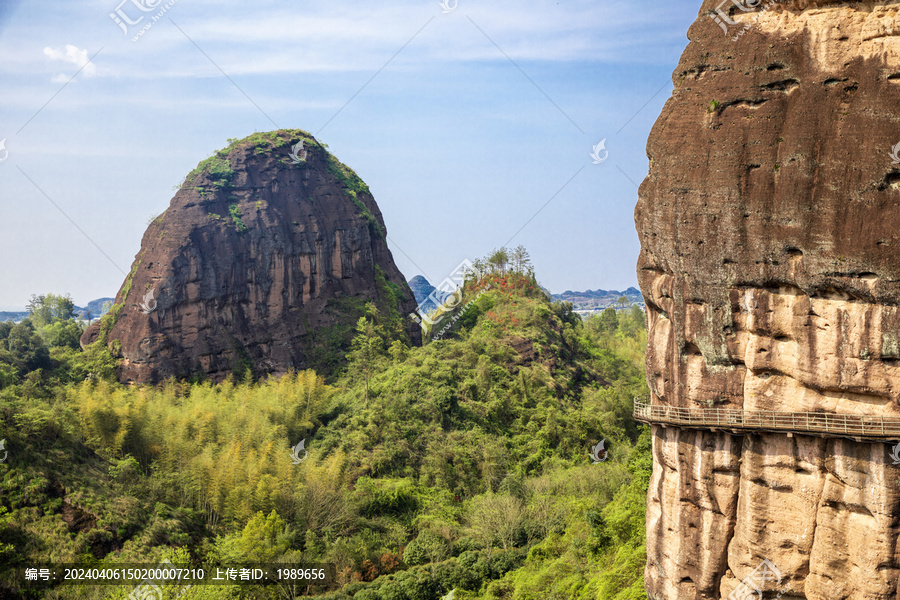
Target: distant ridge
x,y
594,300
94,306
12,315
589,301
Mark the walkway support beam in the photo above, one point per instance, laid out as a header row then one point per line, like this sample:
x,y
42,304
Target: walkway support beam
x,y
857,427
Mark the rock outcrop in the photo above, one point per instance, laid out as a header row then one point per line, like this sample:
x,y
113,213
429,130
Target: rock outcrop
x,y
263,262
770,266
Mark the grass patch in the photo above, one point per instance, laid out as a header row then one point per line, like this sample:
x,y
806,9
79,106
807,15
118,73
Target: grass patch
x,y
235,212
216,168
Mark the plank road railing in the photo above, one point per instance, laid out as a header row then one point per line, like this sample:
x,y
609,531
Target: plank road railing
x,y
816,423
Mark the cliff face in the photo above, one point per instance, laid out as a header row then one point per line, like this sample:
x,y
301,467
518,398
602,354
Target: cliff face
x,y
263,262
770,265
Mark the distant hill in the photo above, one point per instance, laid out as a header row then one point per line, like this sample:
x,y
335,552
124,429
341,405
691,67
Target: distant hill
x,y
422,289
583,302
12,316
94,306
595,300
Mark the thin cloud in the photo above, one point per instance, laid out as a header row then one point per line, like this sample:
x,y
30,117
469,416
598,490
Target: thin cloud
x,y
72,55
281,41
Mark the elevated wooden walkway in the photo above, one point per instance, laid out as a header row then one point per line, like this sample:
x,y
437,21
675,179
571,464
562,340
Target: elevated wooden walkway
x,y
857,427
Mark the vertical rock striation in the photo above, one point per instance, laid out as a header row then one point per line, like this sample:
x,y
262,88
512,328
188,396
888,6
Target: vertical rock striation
x,y
770,265
262,262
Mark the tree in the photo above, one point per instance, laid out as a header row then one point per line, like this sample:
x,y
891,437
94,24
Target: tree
x,y
367,346
5,328
262,540
63,334
7,550
497,516
566,313
609,321
323,500
398,351
27,348
428,547
499,260
521,261
623,301
50,308
9,373
95,361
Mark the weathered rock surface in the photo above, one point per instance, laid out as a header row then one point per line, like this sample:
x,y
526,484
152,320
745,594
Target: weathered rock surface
x,y
261,262
770,265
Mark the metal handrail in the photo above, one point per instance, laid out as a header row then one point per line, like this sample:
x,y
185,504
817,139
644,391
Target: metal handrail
x,y
855,426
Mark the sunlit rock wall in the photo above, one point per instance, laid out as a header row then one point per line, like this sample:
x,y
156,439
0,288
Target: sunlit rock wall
x,y
770,264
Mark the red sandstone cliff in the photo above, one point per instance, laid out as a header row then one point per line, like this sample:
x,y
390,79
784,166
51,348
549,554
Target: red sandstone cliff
x,y
770,264
262,262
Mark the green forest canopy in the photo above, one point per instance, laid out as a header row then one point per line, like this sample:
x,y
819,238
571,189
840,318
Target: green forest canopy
x,y
459,466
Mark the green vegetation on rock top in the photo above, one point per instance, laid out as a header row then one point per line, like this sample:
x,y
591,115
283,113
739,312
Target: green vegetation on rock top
x,y
218,167
219,170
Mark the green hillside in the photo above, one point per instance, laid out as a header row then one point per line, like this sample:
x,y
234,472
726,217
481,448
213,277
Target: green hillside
x,y
461,466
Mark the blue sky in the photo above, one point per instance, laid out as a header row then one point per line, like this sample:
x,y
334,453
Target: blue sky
x,y
473,127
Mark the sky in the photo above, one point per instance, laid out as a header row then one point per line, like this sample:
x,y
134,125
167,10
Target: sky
x,y
473,123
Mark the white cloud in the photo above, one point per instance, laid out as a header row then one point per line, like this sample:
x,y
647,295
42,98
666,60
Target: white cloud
x,y
327,38
73,55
